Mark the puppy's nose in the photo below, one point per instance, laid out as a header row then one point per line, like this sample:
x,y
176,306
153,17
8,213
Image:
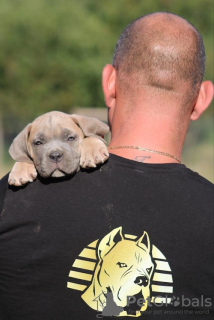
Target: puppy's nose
x,y
141,281
56,156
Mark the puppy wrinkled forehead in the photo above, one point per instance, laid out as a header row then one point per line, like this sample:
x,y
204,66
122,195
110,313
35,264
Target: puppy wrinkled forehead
x,y
51,120
54,125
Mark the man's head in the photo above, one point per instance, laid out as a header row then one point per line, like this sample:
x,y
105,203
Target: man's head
x,y
160,50
160,58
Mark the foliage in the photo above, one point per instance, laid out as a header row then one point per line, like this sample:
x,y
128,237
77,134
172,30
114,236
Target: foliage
x,y
53,51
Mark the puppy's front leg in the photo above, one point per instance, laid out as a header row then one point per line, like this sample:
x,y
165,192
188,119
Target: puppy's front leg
x,y
22,173
93,152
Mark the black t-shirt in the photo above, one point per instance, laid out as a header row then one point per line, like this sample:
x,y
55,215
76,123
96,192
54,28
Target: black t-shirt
x,y
119,239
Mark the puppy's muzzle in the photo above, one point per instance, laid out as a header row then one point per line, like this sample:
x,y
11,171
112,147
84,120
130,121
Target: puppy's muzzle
x,y
56,156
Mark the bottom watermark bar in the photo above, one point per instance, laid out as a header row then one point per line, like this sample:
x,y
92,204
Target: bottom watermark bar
x,y
159,305
174,301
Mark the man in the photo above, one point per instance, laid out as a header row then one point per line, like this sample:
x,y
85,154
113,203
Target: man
x,y
134,237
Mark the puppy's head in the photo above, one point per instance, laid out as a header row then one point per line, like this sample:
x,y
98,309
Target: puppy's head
x,y
126,267
52,142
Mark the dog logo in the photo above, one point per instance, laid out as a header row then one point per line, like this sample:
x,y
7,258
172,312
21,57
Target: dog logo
x,y
125,273
124,270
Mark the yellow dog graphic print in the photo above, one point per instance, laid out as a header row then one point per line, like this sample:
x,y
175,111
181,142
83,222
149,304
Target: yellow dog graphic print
x,y
122,275
124,269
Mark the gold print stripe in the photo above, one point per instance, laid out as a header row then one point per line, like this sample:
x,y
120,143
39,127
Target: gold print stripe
x,y
88,265
162,265
88,253
130,236
157,254
161,300
76,286
93,244
162,277
165,289
80,275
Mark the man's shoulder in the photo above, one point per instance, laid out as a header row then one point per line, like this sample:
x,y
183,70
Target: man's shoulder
x,y
117,171
196,179
3,189
3,184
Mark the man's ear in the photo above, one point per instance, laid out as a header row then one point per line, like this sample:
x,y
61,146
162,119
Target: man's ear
x,y
204,99
109,85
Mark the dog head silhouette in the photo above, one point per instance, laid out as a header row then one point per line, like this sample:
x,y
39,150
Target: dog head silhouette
x,y
125,268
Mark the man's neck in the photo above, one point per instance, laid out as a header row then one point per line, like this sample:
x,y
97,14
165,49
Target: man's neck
x,y
159,137
145,157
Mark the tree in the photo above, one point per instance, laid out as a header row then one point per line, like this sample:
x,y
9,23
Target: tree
x,y
53,51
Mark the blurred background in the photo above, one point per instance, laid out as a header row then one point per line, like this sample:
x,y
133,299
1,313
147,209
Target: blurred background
x,y
52,54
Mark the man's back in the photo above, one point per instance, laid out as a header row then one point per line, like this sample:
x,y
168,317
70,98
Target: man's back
x,y
50,255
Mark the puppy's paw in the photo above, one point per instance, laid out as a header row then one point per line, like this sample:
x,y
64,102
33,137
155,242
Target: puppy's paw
x,y
93,152
22,173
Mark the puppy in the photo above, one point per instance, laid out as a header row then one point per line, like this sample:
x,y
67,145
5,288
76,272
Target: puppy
x,y
57,144
123,272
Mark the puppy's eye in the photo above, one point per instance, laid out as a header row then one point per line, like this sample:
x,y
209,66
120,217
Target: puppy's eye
x,y
122,265
37,143
71,138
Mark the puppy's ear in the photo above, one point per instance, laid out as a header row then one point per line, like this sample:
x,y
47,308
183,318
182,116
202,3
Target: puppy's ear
x,y
19,149
109,241
90,126
143,242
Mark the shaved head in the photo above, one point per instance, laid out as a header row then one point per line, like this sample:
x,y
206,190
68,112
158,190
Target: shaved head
x,y
160,50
